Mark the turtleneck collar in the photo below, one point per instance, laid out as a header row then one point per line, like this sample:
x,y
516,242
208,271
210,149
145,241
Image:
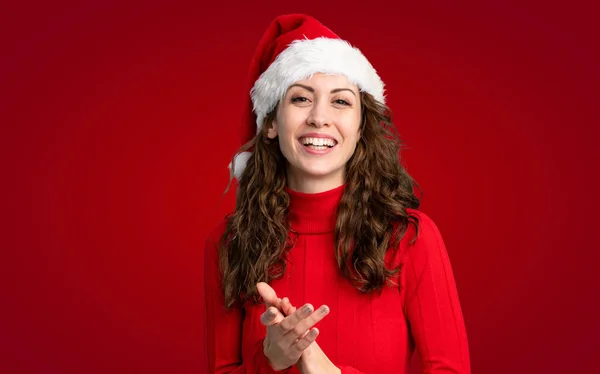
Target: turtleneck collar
x,y
314,213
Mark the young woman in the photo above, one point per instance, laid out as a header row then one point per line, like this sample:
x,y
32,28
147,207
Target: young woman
x,y
326,265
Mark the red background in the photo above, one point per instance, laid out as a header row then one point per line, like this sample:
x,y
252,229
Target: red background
x,y
118,121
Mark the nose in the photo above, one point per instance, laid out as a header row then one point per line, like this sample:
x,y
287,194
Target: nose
x,y
319,115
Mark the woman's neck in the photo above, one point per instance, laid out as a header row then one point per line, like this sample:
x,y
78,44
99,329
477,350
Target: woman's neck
x,y
314,184
314,213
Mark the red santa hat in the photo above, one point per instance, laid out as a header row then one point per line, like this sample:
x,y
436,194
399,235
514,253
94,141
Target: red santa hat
x,y
294,47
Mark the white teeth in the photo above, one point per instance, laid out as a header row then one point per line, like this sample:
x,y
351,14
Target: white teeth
x,y
318,142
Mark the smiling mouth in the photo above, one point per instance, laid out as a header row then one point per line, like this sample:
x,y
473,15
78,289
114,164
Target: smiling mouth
x,y
318,143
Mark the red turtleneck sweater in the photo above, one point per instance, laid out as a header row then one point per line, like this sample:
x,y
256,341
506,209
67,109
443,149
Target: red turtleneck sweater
x,y
363,333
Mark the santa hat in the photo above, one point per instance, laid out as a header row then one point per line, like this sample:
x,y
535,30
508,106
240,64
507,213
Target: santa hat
x,y
294,47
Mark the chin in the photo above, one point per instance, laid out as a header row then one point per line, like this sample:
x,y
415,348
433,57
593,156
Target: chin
x,y
317,171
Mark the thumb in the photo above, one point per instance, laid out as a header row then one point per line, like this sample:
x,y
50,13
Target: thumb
x,y
267,293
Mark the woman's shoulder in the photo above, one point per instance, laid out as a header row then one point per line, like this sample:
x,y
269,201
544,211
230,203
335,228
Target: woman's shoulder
x,y
217,230
422,218
422,244
211,244
421,227
421,234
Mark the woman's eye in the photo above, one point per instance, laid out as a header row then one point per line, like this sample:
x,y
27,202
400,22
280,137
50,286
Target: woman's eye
x,y
299,99
342,102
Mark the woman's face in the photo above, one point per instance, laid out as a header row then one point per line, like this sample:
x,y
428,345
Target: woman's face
x,y
318,123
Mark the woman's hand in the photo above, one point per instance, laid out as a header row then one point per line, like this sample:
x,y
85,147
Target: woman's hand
x,y
314,361
287,337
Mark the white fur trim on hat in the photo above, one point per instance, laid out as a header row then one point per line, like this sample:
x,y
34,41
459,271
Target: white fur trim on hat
x,y
240,161
305,57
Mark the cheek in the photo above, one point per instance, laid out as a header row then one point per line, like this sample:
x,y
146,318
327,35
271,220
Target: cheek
x,y
286,143
286,132
350,128
351,149
351,135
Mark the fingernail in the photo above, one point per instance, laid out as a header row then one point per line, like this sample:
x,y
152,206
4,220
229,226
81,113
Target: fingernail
x,y
324,310
270,313
307,309
313,332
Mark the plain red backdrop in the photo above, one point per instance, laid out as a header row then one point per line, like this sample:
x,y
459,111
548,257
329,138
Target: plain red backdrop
x,y
118,122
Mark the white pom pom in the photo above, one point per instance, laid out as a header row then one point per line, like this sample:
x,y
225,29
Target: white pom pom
x,y
240,164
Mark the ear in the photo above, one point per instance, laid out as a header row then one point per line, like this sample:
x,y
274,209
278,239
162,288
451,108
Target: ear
x,y
272,131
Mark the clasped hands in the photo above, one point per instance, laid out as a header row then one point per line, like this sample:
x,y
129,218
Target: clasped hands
x,y
290,337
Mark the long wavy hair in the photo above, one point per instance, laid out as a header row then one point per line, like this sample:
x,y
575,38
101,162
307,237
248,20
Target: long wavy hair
x,y
371,220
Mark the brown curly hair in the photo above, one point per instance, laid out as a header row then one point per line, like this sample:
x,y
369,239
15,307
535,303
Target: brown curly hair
x,y
371,218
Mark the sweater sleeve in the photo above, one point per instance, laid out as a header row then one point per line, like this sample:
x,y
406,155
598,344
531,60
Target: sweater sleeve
x,y
349,370
224,327
432,305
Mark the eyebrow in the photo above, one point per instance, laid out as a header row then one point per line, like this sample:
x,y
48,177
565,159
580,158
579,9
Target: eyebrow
x,y
309,88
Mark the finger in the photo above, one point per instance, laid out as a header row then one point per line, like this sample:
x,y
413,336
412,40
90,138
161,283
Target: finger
x,y
267,293
279,317
268,317
271,317
287,307
305,324
307,339
303,335
293,319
